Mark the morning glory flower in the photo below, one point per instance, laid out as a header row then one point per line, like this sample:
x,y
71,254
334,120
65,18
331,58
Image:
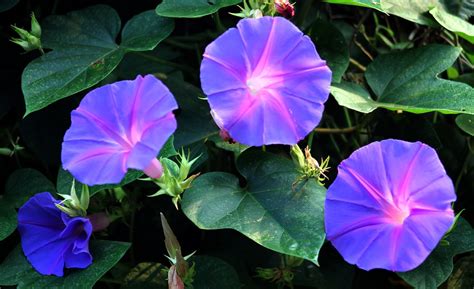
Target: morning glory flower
x,y
265,82
51,240
389,206
117,127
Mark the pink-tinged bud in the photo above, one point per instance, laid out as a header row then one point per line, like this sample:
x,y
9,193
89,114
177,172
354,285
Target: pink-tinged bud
x,y
285,8
154,169
225,136
99,221
174,281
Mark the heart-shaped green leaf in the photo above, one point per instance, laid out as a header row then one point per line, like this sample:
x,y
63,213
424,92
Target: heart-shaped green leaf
x,y
191,8
408,81
85,51
273,209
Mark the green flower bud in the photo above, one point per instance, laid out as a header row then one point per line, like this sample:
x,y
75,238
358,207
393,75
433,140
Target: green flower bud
x,y
35,27
28,40
298,157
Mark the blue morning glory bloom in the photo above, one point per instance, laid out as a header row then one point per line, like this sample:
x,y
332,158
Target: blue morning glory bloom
x,y
52,240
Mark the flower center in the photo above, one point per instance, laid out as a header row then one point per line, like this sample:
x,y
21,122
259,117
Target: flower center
x,y
399,214
255,84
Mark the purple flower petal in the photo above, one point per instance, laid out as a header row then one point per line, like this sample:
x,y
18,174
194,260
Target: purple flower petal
x,y
116,127
51,240
389,206
265,82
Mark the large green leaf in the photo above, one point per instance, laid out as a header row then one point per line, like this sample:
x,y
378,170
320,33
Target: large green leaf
x,y
466,123
331,46
355,97
408,81
144,31
272,209
439,265
85,52
374,4
16,270
412,10
454,24
192,8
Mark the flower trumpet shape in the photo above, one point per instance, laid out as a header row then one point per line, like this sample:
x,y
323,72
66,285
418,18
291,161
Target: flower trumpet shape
x,y
389,206
265,82
51,240
119,126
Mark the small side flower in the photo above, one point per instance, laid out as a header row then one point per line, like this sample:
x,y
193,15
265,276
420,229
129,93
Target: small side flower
x,y
51,239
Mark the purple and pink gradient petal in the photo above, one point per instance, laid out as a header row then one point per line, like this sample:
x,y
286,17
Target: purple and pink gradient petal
x,y
119,126
51,240
265,82
389,206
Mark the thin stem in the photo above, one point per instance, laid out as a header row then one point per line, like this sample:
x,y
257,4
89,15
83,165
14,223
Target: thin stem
x,y
217,20
464,167
336,130
310,139
178,44
357,64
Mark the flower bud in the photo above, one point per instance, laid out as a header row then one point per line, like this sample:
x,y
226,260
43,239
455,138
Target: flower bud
x,y
99,221
28,40
298,157
35,26
285,8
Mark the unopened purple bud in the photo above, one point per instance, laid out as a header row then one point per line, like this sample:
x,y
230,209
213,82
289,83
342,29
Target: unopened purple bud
x,y
99,221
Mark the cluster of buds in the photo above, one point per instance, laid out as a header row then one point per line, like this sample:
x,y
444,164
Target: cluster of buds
x,y
180,274
283,275
74,205
29,40
308,166
174,180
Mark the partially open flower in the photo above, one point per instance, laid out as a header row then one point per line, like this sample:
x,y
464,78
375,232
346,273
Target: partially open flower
x,y
51,240
265,82
389,206
119,126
